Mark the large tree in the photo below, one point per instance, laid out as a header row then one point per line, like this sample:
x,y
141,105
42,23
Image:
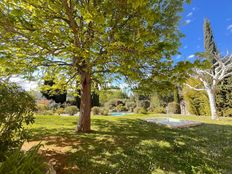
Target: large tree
x,y
211,76
89,39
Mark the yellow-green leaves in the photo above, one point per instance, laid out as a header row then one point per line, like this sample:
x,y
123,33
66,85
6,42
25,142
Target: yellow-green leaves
x,y
107,36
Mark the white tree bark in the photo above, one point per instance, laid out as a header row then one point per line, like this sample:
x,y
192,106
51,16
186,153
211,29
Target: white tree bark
x,y
210,77
212,103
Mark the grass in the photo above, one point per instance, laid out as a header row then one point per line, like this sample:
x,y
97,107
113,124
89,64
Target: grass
x,y
127,144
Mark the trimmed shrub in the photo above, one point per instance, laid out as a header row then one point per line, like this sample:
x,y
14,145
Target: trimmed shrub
x,y
59,111
197,101
96,110
223,97
173,108
104,111
17,108
121,108
130,106
47,112
140,110
158,110
41,107
144,104
227,112
71,110
100,111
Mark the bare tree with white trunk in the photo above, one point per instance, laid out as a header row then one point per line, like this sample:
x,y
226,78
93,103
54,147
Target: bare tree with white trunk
x,y
210,77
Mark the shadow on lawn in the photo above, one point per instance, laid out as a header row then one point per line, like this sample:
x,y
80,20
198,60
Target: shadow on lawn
x,y
135,146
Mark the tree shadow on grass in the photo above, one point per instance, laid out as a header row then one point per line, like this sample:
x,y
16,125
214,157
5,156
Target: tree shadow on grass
x,y
135,146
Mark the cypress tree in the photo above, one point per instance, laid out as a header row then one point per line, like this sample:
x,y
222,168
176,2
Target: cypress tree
x,y
209,43
224,90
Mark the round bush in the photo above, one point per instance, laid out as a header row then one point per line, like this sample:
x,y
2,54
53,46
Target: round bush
x,y
159,110
144,104
71,110
59,111
100,111
104,111
95,110
121,108
140,110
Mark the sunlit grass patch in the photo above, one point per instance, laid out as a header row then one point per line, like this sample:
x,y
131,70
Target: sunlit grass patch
x,y
128,144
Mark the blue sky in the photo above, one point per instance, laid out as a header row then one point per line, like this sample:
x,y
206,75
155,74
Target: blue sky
x,y
220,15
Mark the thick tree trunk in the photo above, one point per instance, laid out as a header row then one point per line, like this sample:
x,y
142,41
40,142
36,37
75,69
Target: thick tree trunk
x,y
212,103
85,106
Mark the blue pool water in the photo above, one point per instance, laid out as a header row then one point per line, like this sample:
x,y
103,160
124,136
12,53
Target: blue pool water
x,y
118,113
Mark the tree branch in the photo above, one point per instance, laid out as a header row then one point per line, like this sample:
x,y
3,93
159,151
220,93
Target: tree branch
x,y
197,89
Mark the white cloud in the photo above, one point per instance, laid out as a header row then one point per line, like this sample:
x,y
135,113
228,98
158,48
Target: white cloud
x,y
229,28
191,56
193,8
185,47
27,85
188,21
189,14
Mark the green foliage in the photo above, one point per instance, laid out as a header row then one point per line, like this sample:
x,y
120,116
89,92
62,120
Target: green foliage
x,y
224,96
104,111
144,104
197,101
155,100
140,110
111,96
59,111
158,110
100,111
95,101
173,108
41,107
209,43
96,110
17,108
50,91
121,108
130,105
46,112
113,103
71,110
24,162
116,37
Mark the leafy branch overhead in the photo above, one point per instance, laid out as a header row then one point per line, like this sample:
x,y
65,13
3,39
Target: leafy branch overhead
x,y
108,36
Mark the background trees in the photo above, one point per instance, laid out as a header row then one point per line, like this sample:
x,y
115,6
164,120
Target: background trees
x,y
213,70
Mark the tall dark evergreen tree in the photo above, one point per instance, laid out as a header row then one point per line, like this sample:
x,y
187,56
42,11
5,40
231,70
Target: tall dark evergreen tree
x,y
224,90
209,43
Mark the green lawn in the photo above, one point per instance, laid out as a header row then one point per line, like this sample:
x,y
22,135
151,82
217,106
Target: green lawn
x,y
127,144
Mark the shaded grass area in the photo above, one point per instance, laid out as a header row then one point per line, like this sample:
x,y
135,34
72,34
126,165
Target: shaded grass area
x,y
130,145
